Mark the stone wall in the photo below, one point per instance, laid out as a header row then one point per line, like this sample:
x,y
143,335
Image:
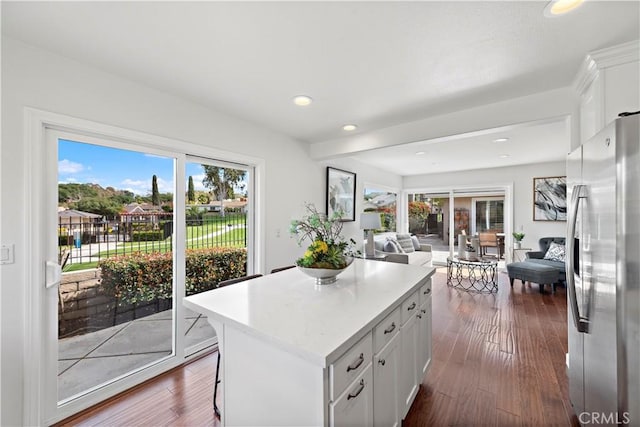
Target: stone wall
x,y
83,306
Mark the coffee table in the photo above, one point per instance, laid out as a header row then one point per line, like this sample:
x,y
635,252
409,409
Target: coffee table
x,y
474,276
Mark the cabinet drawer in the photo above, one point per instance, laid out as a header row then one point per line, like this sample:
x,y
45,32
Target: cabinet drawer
x,y
425,291
354,407
385,330
350,365
410,307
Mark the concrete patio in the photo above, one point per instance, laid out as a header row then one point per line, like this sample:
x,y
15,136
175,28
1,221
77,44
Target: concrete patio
x,y
88,360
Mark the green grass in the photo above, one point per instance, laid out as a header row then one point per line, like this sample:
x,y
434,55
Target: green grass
x,y
234,238
80,266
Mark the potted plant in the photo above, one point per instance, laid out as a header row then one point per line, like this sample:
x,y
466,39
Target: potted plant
x,y
518,236
329,253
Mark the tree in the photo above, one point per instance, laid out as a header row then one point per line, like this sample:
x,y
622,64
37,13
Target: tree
x,y
419,212
155,194
222,182
191,192
97,205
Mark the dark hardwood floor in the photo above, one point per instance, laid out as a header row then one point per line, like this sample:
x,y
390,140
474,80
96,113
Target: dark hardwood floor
x,y
498,360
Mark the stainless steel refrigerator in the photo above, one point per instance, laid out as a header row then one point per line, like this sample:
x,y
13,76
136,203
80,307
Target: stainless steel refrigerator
x,y
603,264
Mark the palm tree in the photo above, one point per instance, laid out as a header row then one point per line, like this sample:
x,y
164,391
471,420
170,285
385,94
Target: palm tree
x,y
222,182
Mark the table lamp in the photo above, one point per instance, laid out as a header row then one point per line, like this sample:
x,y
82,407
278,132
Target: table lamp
x,y
370,221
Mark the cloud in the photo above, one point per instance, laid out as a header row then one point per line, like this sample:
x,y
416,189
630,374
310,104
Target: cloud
x,y
142,187
197,182
68,167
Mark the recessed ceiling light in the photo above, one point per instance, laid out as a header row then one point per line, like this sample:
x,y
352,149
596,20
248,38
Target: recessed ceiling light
x,y
501,140
349,128
302,100
419,153
504,156
560,7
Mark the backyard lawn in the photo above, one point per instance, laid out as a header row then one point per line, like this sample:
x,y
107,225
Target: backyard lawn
x,y
213,232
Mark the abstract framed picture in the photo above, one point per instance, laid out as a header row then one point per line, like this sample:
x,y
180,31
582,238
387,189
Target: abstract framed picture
x,y
341,193
550,198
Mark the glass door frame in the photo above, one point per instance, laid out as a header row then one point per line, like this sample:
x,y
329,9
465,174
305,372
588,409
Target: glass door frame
x,y
250,232
462,191
474,211
40,343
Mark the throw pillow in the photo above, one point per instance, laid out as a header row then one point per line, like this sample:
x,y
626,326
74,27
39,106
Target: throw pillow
x,y
555,252
404,240
416,243
392,246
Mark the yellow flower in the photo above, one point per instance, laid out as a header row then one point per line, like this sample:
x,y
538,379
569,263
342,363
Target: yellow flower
x,y
321,247
308,254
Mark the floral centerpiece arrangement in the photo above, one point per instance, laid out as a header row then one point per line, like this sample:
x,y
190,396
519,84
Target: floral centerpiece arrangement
x,y
328,249
470,253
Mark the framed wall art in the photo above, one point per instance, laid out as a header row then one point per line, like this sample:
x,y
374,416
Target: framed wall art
x,y
341,193
550,198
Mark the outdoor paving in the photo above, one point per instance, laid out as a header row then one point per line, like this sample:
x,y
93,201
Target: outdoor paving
x,y
88,360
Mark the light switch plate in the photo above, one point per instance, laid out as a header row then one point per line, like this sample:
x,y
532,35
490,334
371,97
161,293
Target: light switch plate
x,y
6,254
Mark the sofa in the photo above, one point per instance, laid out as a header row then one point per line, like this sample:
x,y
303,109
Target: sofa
x,y
395,247
537,257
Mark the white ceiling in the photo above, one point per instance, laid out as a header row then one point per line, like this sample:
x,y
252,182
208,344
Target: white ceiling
x,y
527,143
375,64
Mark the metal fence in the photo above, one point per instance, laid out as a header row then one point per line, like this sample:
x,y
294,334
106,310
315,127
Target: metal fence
x,y
87,241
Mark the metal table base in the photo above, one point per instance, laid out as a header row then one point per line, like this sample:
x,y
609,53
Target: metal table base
x,y
474,276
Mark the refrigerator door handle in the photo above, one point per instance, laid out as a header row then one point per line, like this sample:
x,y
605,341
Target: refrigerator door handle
x,y
579,192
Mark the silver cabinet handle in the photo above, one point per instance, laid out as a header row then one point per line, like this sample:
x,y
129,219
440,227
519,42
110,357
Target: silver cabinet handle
x,y
579,192
355,365
427,292
358,391
390,328
382,362
411,307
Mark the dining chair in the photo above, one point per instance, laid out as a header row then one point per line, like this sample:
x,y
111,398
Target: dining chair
x,y
487,240
215,386
275,270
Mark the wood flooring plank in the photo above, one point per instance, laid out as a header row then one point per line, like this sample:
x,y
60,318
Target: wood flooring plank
x,y
498,359
507,419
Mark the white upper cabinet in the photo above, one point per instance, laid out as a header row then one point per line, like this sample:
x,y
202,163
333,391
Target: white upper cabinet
x,y
608,84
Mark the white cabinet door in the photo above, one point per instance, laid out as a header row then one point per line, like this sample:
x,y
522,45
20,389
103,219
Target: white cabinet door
x,y
385,382
355,406
408,385
424,339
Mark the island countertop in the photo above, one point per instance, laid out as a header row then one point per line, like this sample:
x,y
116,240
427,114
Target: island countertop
x,y
316,322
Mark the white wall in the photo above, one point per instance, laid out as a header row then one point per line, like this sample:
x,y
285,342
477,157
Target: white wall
x,y
522,179
366,176
39,79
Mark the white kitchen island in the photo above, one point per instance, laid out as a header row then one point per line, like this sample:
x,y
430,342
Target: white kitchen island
x,y
298,354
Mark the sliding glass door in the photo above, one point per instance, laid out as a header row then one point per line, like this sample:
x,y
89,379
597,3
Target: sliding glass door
x,y
439,218
114,238
129,247
217,223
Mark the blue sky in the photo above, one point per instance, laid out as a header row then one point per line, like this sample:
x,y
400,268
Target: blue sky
x,y
121,169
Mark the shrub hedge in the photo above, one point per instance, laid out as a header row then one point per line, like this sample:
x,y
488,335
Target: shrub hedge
x,y
143,277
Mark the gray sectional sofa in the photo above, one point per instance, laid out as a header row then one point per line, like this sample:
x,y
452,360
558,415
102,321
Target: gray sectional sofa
x,y
420,255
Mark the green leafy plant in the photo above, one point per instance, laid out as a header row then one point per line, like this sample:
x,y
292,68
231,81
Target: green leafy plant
x,y
518,236
328,249
143,277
